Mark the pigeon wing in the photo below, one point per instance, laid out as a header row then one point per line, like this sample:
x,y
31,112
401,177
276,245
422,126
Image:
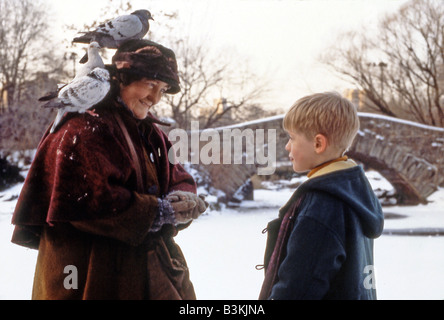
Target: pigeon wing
x,y
83,93
122,27
94,92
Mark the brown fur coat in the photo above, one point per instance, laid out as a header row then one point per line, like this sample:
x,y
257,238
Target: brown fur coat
x,y
80,207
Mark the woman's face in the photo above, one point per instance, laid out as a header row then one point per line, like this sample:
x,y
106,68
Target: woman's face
x,y
141,95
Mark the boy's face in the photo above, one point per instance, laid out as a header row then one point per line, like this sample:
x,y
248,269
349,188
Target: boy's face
x,y
302,151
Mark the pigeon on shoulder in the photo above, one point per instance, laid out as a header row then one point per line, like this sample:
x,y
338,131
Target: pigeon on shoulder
x,y
113,33
80,94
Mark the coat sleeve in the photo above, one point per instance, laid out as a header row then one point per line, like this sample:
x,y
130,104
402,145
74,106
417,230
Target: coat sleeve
x,y
130,226
315,253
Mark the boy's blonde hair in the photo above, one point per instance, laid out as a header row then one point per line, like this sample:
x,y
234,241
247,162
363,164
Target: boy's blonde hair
x,y
327,113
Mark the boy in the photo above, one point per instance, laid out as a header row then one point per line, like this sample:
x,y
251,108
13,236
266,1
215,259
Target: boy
x,y
324,245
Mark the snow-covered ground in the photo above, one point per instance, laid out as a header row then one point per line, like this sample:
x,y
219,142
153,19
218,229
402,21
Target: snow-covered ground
x,y
222,249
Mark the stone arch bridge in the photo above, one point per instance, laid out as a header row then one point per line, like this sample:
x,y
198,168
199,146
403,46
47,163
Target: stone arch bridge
x,y
409,155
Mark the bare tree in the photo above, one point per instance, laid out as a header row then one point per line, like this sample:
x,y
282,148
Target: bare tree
x,y
26,71
401,69
23,25
211,87
241,91
196,81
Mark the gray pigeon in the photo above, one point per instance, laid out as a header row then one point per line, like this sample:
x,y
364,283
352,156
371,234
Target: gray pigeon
x,y
80,94
113,33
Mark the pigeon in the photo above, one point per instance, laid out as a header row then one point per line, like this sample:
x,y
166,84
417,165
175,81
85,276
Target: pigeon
x,y
95,61
113,33
80,94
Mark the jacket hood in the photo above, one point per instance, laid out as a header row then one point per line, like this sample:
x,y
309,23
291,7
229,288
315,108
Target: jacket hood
x,y
351,187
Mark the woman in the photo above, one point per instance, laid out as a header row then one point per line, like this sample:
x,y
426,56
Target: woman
x,y
101,201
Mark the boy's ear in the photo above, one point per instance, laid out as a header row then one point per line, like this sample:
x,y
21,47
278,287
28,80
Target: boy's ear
x,y
320,142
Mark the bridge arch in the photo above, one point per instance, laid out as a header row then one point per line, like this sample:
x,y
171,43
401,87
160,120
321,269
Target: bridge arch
x,y
408,154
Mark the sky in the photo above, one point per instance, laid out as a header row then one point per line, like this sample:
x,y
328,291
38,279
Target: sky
x,y
280,40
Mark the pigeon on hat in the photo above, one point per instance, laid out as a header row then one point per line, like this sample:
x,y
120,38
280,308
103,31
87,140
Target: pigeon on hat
x,y
113,33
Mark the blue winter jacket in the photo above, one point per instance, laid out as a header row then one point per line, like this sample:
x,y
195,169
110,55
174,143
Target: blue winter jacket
x,y
329,254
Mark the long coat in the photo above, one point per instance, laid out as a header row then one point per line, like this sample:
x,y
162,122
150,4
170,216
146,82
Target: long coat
x,y
82,208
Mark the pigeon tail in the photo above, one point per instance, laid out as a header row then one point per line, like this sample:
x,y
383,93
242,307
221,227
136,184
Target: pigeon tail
x,y
84,59
52,94
54,104
49,96
83,39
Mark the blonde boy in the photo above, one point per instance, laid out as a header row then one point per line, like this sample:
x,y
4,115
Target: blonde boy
x,y
324,243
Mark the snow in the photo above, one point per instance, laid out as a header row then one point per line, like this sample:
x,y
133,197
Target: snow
x,y
223,247
252,122
361,114
392,119
17,263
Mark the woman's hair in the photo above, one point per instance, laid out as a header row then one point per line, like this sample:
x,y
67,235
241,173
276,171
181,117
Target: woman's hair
x,y
118,79
328,114
127,78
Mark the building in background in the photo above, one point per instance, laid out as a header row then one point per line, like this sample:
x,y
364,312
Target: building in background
x,y
360,100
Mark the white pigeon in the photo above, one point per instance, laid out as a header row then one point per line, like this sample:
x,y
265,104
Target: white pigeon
x,y
94,60
80,94
113,33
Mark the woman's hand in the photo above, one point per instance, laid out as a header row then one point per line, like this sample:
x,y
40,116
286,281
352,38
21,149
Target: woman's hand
x,y
187,205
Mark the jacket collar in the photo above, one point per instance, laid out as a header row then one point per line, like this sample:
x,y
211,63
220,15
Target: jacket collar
x,y
331,166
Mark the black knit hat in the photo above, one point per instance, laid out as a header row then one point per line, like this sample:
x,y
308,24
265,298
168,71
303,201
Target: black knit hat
x,y
148,59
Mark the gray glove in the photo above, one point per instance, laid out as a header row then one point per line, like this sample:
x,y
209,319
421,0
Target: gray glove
x,y
183,200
